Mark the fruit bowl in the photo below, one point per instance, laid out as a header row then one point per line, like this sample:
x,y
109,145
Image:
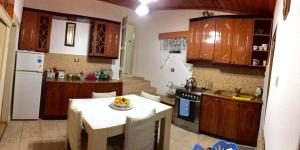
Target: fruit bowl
x,y
121,102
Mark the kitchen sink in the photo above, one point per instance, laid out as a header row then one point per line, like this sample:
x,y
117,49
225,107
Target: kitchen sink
x,y
231,94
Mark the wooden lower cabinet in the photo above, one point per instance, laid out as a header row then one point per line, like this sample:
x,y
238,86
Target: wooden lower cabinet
x,y
249,121
233,120
57,94
209,116
53,99
228,120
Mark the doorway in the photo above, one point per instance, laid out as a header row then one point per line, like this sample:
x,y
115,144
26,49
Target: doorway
x,y
127,50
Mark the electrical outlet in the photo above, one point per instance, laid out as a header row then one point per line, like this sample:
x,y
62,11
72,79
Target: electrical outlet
x,y
172,70
76,60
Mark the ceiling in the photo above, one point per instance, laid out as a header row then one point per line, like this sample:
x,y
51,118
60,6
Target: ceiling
x,y
251,7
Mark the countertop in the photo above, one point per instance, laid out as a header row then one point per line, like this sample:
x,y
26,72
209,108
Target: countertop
x,y
212,93
83,81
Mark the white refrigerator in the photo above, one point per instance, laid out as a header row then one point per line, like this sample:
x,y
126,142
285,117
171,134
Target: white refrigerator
x,y
27,85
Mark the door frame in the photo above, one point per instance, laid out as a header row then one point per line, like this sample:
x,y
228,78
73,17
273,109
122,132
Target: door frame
x,y
7,21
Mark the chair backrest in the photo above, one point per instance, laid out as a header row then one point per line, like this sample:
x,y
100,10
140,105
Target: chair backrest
x,y
150,96
74,127
104,95
197,147
139,132
224,145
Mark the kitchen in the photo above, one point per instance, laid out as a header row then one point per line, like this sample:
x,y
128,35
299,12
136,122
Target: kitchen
x,y
230,56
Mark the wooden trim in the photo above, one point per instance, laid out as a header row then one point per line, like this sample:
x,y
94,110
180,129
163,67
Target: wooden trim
x,y
232,17
5,18
70,17
172,35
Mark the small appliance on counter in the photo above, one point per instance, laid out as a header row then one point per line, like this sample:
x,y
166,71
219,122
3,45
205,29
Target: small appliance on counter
x,y
50,74
190,84
60,74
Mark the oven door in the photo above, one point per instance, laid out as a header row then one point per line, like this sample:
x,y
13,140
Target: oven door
x,y
186,109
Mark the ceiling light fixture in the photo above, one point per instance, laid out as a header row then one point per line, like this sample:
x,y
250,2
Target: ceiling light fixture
x,y
146,1
142,10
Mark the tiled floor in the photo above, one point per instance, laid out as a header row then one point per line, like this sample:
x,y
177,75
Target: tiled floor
x,y
34,135
51,135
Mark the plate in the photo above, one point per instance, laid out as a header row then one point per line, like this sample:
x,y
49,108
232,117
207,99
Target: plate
x,y
122,108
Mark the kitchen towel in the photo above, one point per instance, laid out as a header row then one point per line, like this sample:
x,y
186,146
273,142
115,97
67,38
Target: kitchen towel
x,y
184,107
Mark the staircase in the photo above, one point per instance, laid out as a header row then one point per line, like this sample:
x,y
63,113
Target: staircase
x,y
134,85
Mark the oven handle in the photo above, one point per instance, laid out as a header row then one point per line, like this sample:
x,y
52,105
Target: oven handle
x,y
190,100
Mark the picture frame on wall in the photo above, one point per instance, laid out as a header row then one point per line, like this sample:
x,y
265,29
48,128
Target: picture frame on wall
x,y
70,34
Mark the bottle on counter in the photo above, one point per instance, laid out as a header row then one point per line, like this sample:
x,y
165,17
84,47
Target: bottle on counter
x,y
258,91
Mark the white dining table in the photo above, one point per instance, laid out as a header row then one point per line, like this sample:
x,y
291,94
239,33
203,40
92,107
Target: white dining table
x,y
101,121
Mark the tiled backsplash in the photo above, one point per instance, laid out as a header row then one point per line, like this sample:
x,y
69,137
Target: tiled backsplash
x,y
67,63
228,77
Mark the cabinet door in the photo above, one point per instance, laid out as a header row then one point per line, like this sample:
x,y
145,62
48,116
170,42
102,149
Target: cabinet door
x,y
117,87
53,99
209,119
242,41
99,38
109,87
223,44
194,41
249,121
208,39
112,45
44,24
86,90
27,38
228,123
70,91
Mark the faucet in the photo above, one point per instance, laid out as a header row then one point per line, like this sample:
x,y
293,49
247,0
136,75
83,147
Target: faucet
x,y
237,91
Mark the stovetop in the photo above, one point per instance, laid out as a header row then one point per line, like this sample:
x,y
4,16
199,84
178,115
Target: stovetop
x,y
195,91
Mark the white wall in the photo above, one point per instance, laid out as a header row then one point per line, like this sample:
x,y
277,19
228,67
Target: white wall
x,y
18,9
147,54
82,36
282,123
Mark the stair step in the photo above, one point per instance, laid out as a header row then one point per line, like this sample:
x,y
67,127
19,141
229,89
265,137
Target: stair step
x,y
132,77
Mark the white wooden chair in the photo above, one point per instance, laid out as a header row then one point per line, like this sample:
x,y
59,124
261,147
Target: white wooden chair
x,y
150,96
139,133
104,95
74,129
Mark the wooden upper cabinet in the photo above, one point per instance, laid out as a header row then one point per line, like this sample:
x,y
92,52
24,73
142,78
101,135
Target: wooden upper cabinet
x,y
113,40
228,122
43,32
194,41
249,121
242,41
209,114
224,38
35,31
8,5
105,39
208,34
28,30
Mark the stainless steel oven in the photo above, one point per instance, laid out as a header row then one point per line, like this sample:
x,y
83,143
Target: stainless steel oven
x,y
187,108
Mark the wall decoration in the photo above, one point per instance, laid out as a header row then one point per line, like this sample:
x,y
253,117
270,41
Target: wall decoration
x,y
70,34
176,45
286,8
